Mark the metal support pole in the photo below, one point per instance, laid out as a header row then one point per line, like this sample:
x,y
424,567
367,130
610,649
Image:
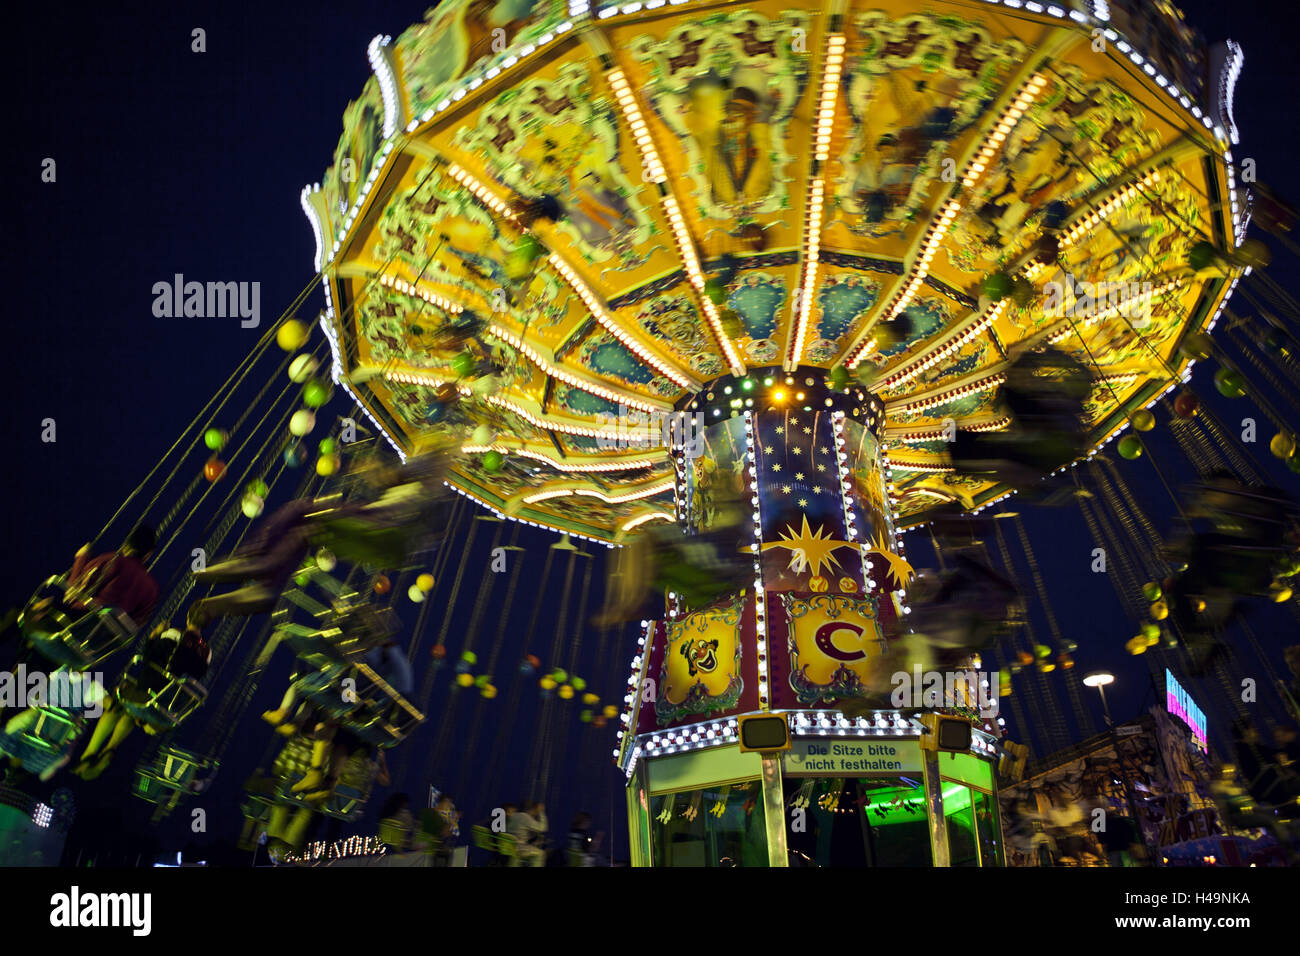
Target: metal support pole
x,y
934,809
774,810
640,851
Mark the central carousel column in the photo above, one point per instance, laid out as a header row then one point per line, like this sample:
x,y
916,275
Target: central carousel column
x,y
805,464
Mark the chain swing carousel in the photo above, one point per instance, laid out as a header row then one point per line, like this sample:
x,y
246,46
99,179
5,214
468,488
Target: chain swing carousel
x,y
753,287
744,291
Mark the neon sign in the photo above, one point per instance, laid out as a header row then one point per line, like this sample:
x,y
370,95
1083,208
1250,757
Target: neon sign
x,y
1179,703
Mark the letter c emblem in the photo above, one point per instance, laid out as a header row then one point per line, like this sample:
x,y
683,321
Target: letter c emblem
x,y
826,645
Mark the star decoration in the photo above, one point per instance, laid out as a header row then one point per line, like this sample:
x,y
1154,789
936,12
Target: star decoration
x,y
821,467
899,569
815,549
780,430
797,451
785,489
803,502
798,476
817,490
776,466
794,421
824,450
807,430
767,449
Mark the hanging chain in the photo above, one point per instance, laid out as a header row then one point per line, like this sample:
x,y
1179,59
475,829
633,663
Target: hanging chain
x,y
1246,469
1007,653
1153,537
1243,346
1071,678
1056,733
1199,458
557,757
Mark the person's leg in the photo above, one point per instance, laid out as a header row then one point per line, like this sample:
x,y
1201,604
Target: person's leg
x,y
270,531
297,829
245,602
316,774
120,733
278,824
326,785
121,730
279,715
104,728
288,549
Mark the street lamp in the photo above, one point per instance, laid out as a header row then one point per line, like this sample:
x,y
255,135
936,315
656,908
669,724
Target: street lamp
x,y
1099,680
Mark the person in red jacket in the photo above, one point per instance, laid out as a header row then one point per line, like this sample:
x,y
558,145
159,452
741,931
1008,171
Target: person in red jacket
x,y
118,578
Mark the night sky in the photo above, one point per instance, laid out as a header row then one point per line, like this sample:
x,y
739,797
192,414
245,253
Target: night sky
x,y
171,162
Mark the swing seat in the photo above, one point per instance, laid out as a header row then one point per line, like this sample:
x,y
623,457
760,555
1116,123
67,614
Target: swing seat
x,y
502,846
345,802
381,716
256,807
76,638
1277,787
256,811
292,763
173,768
507,847
151,789
324,689
336,633
483,838
156,699
44,737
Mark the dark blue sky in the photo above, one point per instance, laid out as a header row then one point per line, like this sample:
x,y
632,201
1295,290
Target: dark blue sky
x,y
171,162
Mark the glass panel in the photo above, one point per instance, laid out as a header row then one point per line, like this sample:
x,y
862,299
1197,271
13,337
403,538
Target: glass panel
x,y
959,815
856,822
714,826
986,828
968,769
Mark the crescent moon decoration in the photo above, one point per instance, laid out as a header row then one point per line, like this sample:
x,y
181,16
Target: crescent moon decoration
x,y
825,641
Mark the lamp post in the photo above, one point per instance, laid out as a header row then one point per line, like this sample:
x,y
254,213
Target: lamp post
x,y
1099,680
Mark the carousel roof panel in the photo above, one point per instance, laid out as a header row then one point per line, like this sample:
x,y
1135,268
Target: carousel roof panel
x,y
754,185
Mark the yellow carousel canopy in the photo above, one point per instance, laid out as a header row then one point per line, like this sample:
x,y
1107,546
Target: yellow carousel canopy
x,y
756,188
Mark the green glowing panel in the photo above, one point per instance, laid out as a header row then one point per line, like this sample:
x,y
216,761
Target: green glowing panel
x,y
967,768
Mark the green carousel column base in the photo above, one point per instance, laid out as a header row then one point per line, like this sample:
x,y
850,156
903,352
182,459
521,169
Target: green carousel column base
x,y
849,793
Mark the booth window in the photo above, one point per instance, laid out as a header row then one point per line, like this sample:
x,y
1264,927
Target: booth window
x,y
856,822
959,817
986,829
721,825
